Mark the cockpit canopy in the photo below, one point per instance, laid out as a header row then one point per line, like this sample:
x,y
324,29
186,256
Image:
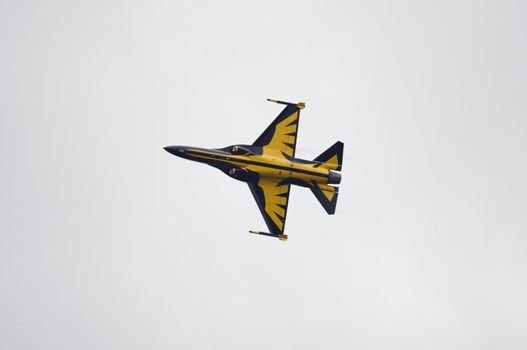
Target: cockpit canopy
x,y
242,150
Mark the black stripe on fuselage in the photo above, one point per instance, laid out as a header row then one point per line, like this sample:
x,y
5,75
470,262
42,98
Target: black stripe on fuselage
x,y
227,159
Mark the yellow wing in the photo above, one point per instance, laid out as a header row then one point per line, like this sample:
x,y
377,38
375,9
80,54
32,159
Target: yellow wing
x,y
281,134
272,199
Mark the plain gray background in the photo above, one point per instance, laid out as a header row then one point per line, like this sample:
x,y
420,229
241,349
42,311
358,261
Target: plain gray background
x,y
109,242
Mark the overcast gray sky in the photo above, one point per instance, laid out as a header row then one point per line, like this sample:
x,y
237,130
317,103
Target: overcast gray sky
x,y
109,242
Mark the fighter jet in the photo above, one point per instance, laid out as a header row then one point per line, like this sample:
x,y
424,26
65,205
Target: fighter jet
x,y
269,167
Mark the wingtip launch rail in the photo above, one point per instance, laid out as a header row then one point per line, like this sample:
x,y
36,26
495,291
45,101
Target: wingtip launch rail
x,y
280,237
300,105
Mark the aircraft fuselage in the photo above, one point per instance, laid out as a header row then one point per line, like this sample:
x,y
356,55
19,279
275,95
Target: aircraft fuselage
x,y
254,162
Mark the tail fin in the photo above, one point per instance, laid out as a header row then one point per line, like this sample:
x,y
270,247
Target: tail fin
x,y
332,157
327,196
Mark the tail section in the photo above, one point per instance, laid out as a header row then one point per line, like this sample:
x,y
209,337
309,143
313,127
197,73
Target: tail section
x,y
332,157
327,196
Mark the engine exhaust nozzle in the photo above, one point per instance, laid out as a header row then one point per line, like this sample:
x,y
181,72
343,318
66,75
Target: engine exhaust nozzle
x,y
334,177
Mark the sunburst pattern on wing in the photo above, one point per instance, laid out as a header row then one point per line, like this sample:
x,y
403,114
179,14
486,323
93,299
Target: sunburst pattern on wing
x,y
272,199
284,138
281,134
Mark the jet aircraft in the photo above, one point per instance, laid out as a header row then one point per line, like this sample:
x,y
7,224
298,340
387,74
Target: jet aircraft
x,y
269,167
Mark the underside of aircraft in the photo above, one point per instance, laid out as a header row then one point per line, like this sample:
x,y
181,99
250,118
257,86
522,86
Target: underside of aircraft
x,y
269,167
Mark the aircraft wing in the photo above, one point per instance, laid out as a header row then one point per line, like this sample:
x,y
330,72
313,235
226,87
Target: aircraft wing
x,y
281,134
272,199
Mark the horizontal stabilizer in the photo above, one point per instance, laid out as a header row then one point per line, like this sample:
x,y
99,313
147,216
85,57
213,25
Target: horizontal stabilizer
x,y
332,157
327,196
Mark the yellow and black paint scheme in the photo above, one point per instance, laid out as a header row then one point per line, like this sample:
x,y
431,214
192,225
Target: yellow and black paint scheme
x,y
269,167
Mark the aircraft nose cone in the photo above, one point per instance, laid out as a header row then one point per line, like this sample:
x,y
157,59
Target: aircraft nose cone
x,y
175,150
